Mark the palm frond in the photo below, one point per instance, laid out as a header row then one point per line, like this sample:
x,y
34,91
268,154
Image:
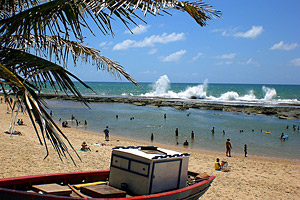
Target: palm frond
x,y
27,96
37,70
61,48
65,17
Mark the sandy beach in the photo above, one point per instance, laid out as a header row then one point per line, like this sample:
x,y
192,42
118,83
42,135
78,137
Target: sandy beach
x,y
249,178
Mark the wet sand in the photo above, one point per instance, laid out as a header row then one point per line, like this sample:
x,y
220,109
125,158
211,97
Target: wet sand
x,y
249,178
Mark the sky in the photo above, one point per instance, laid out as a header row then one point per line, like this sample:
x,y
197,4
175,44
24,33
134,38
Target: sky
x,y
255,42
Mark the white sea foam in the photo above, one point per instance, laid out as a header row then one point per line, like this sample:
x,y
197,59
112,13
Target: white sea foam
x,y
126,94
270,93
162,85
161,88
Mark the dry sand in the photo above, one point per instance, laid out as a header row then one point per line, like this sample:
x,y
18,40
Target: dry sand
x,y
249,178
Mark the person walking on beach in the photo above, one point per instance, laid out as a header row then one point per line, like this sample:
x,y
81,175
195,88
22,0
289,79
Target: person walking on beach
x,y
106,132
245,150
228,148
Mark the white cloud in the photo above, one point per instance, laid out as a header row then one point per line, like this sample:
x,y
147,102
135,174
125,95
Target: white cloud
x,y
227,56
174,56
226,32
195,74
252,33
225,63
102,44
296,61
149,72
152,51
150,41
282,46
139,29
197,56
250,61
126,44
105,44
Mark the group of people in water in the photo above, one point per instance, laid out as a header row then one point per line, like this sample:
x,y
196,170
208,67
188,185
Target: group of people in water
x,y
295,127
65,124
228,144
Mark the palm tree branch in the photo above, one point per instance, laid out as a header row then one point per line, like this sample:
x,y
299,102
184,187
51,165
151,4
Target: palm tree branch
x,y
34,69
34,108
65,15
60,46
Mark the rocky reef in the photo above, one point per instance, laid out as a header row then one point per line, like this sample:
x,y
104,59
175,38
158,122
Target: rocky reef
x,y
280,111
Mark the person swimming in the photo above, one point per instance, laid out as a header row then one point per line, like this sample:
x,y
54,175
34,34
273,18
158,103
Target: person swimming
x,y
186,143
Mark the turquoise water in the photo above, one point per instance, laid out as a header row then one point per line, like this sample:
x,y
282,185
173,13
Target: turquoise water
x,y
236,93
148,119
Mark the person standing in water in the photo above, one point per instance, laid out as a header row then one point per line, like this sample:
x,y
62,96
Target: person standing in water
x,y
228,148
213,130
152,137
192,135
176,132
245,150
106,132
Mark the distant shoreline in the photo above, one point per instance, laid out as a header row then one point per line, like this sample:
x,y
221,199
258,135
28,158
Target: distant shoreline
x,y
285,111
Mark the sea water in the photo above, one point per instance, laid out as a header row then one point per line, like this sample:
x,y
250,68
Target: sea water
x,y
138,122
238,93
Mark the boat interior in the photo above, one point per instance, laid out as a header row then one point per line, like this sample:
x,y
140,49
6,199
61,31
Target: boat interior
x,y
82,185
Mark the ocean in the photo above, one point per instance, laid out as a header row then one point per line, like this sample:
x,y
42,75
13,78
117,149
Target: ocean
x,y
138,122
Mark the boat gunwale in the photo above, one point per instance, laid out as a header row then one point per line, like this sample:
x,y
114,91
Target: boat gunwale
x,y
45,177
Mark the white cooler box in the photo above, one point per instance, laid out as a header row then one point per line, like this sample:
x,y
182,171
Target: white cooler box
x,y
147,170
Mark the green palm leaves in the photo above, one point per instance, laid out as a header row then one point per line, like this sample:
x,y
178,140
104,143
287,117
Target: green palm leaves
x,y
37,37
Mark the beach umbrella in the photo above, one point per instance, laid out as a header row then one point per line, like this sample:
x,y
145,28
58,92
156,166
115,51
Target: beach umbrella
x,y
37,37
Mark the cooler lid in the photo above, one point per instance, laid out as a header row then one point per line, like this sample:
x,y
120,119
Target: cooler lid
x,y
150,152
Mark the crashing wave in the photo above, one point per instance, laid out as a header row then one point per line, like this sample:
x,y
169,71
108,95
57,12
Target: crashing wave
x,y
161,88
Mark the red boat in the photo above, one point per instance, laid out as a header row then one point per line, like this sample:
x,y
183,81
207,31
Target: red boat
x,y
135,173
21,187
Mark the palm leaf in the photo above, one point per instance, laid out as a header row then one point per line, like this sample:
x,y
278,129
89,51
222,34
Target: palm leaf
x,y
62,47
48,129
40,71
65,17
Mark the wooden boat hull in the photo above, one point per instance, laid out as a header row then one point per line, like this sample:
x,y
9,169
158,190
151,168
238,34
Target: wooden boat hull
x,y
15,188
